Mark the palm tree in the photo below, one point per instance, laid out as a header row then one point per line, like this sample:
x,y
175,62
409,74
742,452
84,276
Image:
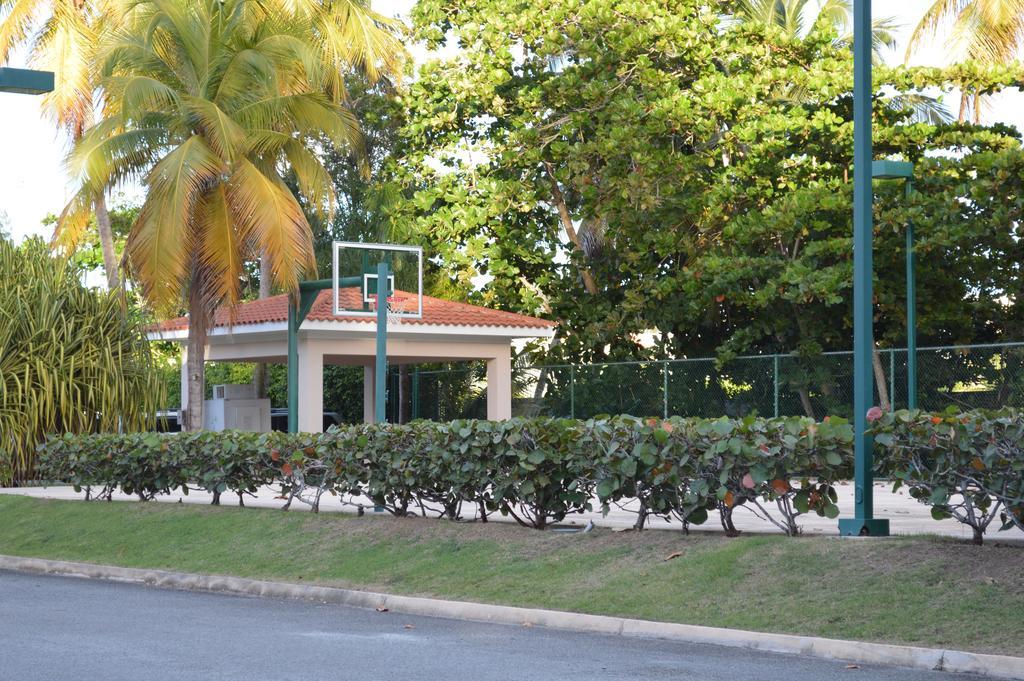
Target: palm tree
x,y
207,101
796,17
350,36
990,32
65,44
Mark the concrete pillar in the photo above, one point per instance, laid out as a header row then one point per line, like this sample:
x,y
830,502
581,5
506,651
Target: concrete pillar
x,y
369,394
499,386
311,388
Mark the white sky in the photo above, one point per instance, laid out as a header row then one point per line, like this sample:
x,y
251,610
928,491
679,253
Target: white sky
x,y
33,182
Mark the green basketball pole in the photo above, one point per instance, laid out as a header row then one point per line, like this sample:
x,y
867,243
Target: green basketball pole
x,y
298,307
380,377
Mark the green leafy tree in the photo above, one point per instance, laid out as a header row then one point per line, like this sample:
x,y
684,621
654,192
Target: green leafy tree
x,y
89,251
639,168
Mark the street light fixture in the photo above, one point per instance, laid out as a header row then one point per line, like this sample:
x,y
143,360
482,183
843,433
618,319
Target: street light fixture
x,y
25,81
902,170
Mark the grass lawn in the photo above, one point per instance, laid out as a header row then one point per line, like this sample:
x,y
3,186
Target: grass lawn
x,y
920,591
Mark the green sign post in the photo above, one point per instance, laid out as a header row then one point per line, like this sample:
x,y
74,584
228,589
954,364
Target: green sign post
x,y
863,522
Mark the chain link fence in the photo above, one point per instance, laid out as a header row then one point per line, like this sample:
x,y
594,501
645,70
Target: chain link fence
x,y
974,376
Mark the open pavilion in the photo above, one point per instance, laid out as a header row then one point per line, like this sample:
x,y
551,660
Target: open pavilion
x,y
257,331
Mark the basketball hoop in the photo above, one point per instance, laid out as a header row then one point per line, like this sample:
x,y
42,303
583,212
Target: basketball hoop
x,y
396,308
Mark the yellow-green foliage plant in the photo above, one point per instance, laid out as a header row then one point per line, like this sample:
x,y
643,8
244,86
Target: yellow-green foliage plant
x,y
72,359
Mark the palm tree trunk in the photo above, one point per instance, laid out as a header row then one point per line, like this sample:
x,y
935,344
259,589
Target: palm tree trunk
x,y
106,242
197,325
260,374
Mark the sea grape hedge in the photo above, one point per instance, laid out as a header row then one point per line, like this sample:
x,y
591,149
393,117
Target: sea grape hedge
x,y
540,471
968,466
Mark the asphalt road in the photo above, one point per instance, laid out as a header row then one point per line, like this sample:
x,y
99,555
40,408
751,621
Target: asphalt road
x,y
56,628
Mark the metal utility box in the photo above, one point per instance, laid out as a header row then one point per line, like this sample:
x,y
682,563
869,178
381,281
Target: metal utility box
x,y
234,407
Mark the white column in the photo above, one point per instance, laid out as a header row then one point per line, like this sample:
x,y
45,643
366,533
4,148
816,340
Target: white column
x,y
369,394
311,388
499,386
184,378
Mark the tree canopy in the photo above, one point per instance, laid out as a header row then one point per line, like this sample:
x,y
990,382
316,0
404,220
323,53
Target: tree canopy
x,y
653,166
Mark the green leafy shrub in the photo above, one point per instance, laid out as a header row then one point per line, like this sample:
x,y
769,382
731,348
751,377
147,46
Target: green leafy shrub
x,y
227,461
778,468
143,464
968,466
647,466
790,463
541,471
537,471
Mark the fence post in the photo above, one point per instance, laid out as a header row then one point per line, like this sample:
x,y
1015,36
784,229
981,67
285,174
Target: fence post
x,y
775,382
664,387
572,391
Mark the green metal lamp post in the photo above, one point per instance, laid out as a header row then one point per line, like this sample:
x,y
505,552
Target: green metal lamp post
x,y
863,522
902,170
25,81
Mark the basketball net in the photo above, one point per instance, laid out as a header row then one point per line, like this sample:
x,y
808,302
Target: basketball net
x,y
396,308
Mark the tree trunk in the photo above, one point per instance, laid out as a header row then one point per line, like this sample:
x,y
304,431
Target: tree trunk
x,y
106,242
880,383
197,325
962,118
563,215
260,373
978,536
805,402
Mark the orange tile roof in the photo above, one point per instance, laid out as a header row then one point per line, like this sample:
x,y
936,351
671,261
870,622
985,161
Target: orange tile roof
x,y
436,312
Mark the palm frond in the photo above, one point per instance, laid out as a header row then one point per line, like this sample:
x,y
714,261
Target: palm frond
x,y
271,220
925,109
220,250
312,178
16,26
162,239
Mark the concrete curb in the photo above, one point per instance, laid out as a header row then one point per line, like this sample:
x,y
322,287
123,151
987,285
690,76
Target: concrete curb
x,y
865,653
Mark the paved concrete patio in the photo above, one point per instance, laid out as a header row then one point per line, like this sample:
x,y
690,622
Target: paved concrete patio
x,y
906,515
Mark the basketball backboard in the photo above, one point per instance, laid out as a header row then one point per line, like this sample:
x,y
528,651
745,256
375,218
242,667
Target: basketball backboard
x,y
354,272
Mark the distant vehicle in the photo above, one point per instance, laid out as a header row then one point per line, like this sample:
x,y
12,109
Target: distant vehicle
x,y
167,420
